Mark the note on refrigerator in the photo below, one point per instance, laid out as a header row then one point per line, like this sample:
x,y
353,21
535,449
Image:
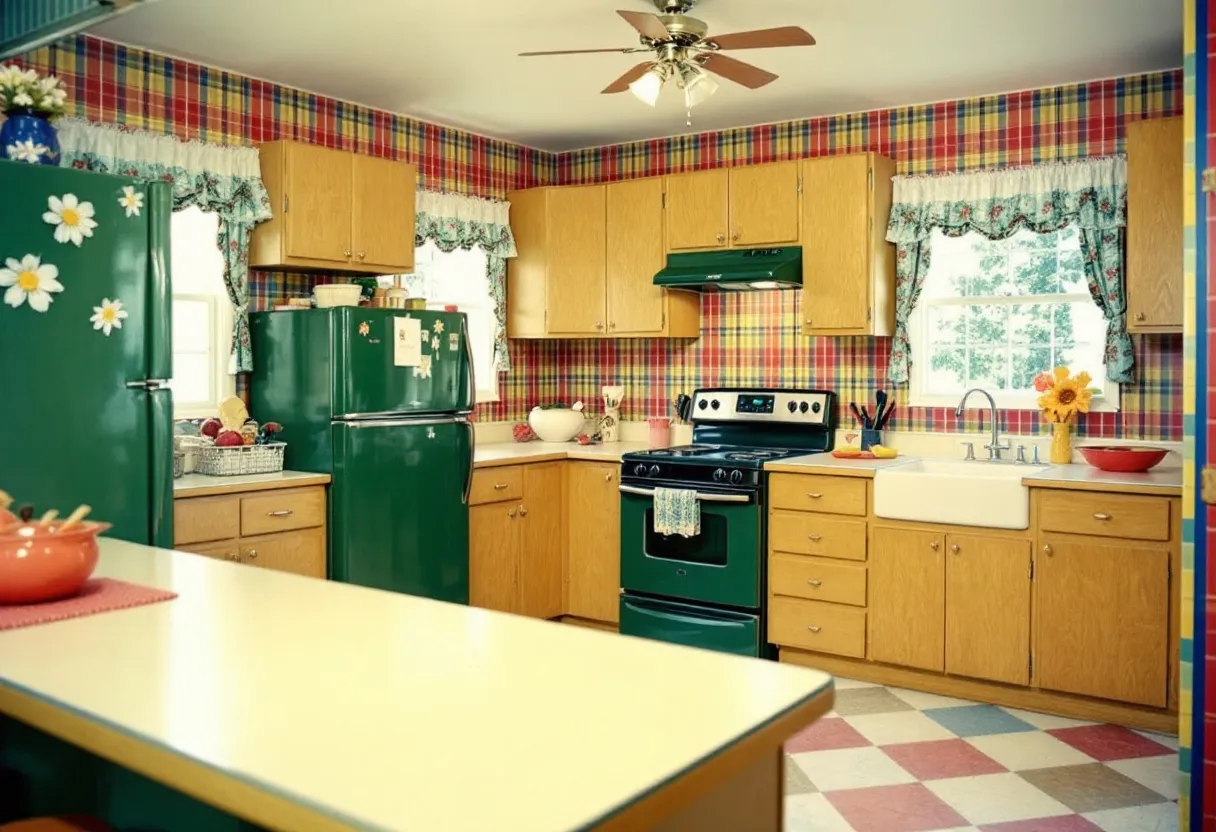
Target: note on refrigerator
x,y
407,342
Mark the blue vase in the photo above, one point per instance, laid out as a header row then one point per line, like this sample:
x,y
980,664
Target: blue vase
x,y
25,134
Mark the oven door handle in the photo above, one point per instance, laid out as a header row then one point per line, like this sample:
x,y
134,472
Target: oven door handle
x,y
705,498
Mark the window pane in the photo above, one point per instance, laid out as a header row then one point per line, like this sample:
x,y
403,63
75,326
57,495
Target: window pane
x,y
948,370
947,325
1030,323
986,368
191,378
192,326
194,256
1025,363
987,325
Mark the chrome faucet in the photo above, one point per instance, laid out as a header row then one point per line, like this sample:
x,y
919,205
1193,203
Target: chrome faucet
x,y
995,447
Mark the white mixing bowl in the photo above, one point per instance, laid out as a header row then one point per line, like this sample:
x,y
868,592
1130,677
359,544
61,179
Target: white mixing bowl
x,y
558,424
337,294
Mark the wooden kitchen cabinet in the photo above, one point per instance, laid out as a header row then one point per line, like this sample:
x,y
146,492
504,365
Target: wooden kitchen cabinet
x,y
1154,225
335,211
988,608
740,207
848,267
280,529
1102,619
516,539
907,597
587,260
593,550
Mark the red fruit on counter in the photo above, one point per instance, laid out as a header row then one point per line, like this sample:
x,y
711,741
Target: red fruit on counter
x,y
522,432
583,439
229,439
211,427
272,427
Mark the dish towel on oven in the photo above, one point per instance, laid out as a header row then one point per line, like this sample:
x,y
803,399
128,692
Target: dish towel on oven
x,y
676,511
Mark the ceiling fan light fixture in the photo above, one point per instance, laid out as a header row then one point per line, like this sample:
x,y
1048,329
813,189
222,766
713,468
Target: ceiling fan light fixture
x,y
698,84
648,87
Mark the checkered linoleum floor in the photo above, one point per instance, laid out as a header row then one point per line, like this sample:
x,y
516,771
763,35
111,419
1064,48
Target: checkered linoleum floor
x,y
894,760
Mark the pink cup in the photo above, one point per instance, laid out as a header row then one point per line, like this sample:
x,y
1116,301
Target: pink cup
x,y
660,433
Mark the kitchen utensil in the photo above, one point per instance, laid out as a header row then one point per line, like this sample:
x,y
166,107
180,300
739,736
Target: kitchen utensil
x,y
684,407
48,518
660,432
880,406
860,420
1122,459
75,517
556,424
329,295
886,416
43,563
865,418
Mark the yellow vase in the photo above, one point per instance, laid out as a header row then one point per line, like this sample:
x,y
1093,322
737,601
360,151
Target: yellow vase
x,y
1061,443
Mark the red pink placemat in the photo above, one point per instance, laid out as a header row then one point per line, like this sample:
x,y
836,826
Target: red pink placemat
x,y
97,595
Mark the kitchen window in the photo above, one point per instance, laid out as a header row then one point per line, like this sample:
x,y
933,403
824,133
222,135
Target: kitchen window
x,y
458,278
994,313
202,316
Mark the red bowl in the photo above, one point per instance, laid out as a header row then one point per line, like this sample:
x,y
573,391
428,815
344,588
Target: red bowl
x,y
1123,460
39,563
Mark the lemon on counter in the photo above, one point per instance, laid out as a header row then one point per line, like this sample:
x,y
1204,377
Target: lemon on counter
x,y
883,453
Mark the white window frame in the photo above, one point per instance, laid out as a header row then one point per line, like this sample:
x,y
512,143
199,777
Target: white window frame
x,y
223,382
918,337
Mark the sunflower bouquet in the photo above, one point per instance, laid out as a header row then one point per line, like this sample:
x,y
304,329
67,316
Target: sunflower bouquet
x,y
1062,397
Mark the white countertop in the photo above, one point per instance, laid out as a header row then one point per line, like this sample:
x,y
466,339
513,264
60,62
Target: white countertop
x,y
826,463
1165,479
199,485
509,453
392,712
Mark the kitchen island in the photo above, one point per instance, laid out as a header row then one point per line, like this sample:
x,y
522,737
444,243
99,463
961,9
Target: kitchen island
x,y
293,703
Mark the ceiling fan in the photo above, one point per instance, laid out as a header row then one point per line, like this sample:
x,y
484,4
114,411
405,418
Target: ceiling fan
x,y
683,49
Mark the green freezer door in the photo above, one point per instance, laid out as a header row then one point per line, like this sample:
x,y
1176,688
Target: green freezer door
x,y
83,425
370,377
399,506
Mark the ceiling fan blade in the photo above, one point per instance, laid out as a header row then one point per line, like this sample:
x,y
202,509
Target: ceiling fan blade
x,y
648,25
752,77
572,52
621,84
764,38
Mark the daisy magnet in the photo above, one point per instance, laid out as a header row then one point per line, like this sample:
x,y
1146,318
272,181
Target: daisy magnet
x,y
73,219
108,317
131,201
29,280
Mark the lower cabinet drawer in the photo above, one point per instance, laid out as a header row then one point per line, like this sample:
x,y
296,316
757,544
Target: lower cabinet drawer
x,y
493,485
282,511
814,625
802,533
1105,515
205,519
817,580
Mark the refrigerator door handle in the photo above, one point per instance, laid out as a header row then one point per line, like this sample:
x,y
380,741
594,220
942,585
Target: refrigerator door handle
x,y
468,477
160,419
468,357
149,384
396,423
160,292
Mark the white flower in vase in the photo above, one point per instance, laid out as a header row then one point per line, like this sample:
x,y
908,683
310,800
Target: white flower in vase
x,y
132,200
29,279
26,151
22,99
73,220
109,316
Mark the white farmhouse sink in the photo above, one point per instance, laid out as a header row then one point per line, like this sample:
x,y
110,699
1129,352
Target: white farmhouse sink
x,y
987,494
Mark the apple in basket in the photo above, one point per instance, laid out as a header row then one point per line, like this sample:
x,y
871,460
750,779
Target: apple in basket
x,y
47,560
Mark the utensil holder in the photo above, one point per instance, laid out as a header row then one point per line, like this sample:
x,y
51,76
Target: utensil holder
x,y
870,438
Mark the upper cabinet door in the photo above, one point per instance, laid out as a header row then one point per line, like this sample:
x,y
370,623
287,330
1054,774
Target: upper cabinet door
x,y
764,205
698,210
382,219
576,246
1154,225
317,202
635,254
836,244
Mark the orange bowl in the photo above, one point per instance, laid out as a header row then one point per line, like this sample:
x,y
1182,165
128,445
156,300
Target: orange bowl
x,y
40,563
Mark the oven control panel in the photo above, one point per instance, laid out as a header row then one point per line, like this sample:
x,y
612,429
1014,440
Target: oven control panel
x,y
806,407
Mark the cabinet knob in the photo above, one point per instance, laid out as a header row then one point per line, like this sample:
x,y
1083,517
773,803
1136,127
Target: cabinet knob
x,y
934,545
608,477
523,512
612,324
252,554
511,513
814,629
362,254
599,325
1098,515
232,556
1140,316
735,237
955,549
721,239
1047,550
815,582
346,253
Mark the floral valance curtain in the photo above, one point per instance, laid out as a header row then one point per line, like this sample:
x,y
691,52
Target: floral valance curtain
x,y
1090,194
453,221
224,180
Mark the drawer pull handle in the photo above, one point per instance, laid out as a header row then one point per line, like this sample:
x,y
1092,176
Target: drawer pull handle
x,y
814,496
283,512
814,629
1098,515
815,538
815,582
499,486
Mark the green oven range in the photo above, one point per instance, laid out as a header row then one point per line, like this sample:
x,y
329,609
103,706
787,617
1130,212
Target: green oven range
x,y
709,590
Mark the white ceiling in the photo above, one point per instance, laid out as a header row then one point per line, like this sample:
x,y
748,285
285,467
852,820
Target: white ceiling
x,y
454,61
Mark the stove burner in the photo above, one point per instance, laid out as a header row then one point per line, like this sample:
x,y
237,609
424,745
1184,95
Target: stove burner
x,y
752,456
683,450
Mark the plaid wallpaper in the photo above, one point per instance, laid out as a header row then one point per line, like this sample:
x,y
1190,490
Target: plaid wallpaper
x,y
747,340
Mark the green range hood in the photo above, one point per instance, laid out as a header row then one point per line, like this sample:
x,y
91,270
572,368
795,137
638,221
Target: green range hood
x,y
740,270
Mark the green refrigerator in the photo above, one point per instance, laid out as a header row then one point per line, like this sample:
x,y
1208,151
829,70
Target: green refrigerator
x,y
380,399
85,347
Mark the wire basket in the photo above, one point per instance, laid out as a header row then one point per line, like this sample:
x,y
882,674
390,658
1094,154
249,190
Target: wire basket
x,y
238,461
179,463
